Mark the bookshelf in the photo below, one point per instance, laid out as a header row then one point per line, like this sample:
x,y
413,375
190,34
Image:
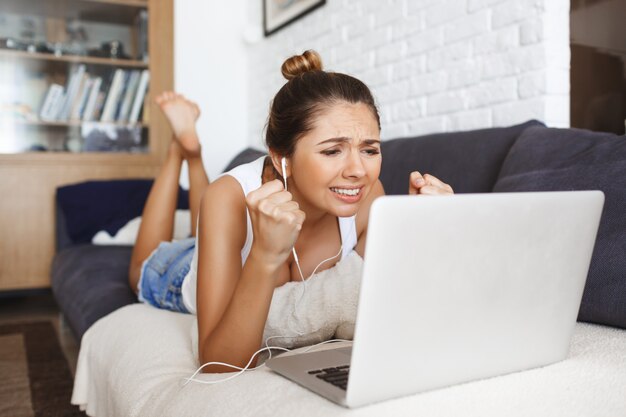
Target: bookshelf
x,y
54,39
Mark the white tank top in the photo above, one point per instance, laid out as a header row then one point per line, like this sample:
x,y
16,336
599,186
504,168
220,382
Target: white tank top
x,y
249,177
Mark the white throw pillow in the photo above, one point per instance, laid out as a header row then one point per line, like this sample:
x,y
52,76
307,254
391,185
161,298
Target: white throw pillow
x,y
127,235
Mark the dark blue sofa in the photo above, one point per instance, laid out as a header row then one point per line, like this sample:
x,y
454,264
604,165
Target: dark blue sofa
x,y
90,281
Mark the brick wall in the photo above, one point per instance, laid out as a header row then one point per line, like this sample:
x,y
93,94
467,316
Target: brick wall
x,y
433,65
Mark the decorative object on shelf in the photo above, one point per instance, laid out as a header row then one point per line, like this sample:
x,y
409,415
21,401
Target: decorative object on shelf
x,y
99,137
279,13
111,49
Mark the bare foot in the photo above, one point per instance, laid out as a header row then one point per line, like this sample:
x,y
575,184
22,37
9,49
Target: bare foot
x,y
182,114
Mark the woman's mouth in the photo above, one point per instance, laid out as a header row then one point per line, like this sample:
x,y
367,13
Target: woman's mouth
x,y
347,195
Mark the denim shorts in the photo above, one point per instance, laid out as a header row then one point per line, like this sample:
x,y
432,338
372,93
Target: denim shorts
x,y
162,275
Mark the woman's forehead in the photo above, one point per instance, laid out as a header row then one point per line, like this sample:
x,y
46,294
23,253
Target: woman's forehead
x,y
343,120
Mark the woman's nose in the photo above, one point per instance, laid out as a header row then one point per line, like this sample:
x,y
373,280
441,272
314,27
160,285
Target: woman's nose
x,y
354,165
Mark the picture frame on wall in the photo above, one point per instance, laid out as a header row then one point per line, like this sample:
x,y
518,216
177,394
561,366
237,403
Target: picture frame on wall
x,y
279,13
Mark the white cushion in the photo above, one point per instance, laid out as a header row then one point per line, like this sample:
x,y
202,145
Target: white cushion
x,y
127,235
132,363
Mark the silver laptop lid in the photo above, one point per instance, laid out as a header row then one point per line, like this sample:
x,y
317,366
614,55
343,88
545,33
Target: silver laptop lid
x,y
472,286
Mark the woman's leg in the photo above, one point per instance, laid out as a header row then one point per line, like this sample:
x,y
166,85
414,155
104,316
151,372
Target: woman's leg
x,y
198,181
157,221
182,115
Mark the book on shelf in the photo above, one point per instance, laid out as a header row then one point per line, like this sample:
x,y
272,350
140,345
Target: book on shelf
x,y
81,97
88,113
73,86
51,102
110,104
139,96
129,94
118,97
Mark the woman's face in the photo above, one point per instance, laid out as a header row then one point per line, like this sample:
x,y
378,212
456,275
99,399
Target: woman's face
x,y
336,164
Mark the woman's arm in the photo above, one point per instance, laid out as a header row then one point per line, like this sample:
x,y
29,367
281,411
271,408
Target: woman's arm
x,y
233,302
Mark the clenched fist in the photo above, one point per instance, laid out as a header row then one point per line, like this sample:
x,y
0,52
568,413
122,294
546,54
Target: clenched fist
x,y
276,221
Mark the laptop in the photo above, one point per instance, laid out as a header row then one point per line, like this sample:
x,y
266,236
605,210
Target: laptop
x,y
456,289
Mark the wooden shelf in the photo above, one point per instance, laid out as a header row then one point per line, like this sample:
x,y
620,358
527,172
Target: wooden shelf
x,y
31,178
76,123
111,11
125,63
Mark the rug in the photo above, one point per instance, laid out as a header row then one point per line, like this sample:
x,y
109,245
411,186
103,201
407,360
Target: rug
x,y
35,379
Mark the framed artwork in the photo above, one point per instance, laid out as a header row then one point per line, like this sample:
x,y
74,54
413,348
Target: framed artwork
x,y
279,13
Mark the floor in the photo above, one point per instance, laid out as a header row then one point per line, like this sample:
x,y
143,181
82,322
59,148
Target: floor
x,y
37,307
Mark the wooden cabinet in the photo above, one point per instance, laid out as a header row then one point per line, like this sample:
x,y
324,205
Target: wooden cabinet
x,y
44,43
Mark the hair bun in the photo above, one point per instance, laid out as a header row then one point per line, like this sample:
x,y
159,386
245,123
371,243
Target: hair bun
x,y
299,64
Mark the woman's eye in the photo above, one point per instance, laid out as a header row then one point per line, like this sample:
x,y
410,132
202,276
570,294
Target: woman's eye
x,y
373,151
331,152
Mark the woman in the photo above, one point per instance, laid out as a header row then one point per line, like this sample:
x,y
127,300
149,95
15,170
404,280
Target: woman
x,y
326,127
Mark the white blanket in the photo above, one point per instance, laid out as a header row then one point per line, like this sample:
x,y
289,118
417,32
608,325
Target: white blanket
x,y
132,363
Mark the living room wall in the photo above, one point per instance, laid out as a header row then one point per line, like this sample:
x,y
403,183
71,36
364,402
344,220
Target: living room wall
x,y
433,65
210,68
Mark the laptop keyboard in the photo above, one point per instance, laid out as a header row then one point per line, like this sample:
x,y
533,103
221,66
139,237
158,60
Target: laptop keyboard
x,y
338,376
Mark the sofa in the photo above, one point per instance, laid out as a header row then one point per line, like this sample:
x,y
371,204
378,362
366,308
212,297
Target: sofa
x,y
125,368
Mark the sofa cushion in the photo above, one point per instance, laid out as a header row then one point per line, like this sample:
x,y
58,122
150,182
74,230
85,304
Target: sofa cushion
x,y
545,159
91,206
468,161
243,157
89,282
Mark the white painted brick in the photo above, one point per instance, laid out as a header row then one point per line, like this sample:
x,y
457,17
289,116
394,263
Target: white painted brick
x,y
492,92
426,125
418,6
445,103
465,73
393,131
467,26
544,82
513,11
508,114
387,15
407,110
444,11
376,76
473,5
432,65
406,26
531,31
432,82
520,60
448,55
408,67
471,119
532,84
390,53
355,29
391,92
504,39
377,37
424,41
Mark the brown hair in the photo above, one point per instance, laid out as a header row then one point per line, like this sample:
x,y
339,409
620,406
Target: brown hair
x,y
307,93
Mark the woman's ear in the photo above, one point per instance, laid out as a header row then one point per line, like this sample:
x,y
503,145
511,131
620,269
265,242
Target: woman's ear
x,y
277,162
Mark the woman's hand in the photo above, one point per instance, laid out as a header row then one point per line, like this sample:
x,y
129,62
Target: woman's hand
x,y
276,221
427,185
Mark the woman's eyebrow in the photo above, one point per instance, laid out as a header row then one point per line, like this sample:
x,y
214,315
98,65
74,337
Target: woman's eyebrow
x,y
345,139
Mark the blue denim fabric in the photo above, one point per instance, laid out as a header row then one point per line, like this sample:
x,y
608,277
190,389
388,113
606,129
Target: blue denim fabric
x,y
162,275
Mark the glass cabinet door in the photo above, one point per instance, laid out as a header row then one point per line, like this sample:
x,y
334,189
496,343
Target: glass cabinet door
x,y
74,76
